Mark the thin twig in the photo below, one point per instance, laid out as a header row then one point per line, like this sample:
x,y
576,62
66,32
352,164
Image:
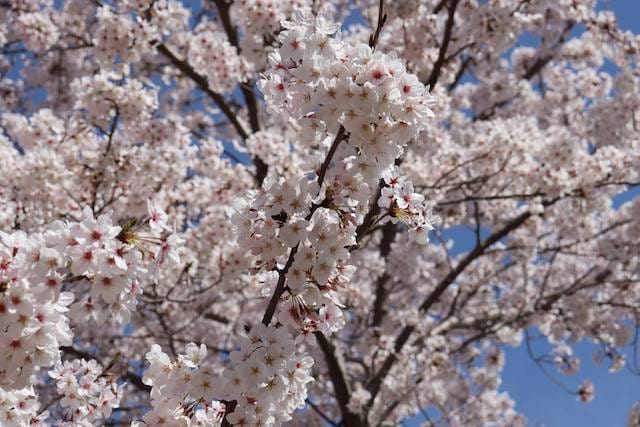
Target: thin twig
x,y
382,18
340,136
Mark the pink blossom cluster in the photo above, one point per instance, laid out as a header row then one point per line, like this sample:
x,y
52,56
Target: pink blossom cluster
x,y
261,17
407,206
277,224
268,378
89,394
91,261
318,79
38,30
21,408
117,38
209,50
267,382
321,80
182,390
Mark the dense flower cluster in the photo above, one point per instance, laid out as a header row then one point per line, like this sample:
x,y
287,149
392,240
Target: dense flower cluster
x,y
267,381
280,224
117,38
39,32
263,16
308,228
20,408
586,392
210,51
323,80
183,390
91,261
270,146
89,394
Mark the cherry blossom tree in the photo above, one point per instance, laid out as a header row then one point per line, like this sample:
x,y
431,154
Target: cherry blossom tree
x,y
236,213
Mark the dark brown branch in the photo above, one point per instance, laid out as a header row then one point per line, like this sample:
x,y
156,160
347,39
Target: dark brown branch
x,y
336,372
280,288
536,67
216,318
382,18
369,218
463,68
575,287
245,87
471,256
388,236
531,71
478,222
439,7
380,299
223,13
322,415
99,177
340,136
230,406
203,84
446,38
493,197
338,378
18,51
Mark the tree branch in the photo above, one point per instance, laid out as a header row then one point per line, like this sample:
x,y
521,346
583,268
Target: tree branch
x,y
388,235
382,18
246,87
282,273
446,38
375,383
279,290
340,136
203,84
338,378
322,415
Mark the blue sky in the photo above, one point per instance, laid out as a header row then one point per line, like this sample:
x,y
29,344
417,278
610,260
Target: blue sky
x,y
543,402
